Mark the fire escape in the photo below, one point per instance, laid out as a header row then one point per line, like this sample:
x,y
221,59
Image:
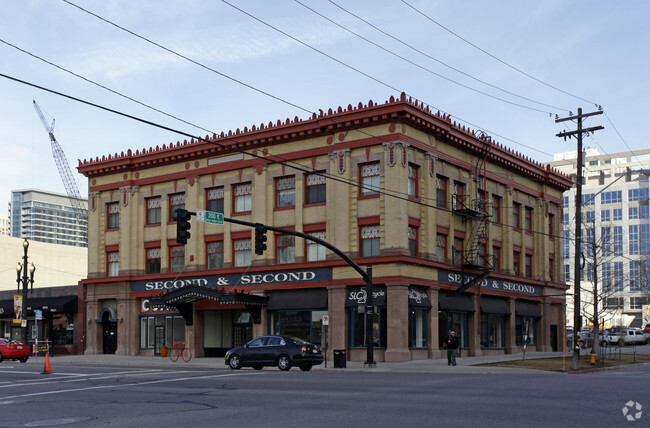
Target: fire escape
x,y
475,262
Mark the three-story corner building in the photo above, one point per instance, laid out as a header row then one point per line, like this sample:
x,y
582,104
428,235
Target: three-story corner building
x,y
460,232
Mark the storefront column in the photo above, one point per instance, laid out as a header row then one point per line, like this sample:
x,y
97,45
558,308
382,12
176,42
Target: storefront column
x,y
337,329
194,334
511,328
434,325
474,321
397,311
544,331
93,331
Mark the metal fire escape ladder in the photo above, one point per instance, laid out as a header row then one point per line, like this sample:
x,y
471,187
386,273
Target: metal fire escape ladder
x,y
476,264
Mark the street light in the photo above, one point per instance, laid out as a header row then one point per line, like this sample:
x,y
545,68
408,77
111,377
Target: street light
x,y
25,281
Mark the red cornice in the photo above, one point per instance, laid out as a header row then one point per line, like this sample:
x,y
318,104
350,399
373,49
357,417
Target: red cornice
x,y
404,110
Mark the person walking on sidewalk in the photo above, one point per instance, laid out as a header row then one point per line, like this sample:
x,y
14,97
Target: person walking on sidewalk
x,y
452,345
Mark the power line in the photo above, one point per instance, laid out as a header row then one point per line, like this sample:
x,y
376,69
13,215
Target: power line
x,y
494,57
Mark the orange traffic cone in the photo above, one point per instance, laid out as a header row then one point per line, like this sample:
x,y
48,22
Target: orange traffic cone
x,y
47,369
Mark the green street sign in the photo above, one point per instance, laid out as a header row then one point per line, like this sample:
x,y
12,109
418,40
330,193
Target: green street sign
x,y
209,217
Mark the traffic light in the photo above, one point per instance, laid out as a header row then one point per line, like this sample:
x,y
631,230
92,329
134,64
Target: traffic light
x,y
260,238
182,225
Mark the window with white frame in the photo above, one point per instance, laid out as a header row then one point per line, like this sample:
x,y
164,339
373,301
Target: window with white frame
x,y
113,215
413,181
369,174
243,197
370,241
285,249
153,210
113,263
214,252
285,192
242,252
315,251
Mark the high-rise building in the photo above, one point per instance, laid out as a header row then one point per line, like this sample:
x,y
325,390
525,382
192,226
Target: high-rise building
x,y
44,216
4,224
615,235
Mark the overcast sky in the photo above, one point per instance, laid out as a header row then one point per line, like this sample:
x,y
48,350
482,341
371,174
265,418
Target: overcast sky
x,y
506,67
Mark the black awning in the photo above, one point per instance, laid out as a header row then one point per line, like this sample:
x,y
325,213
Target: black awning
x,y
298,299
6,307
461,303
193,293
357,296
527,309
58,304
418,298
494,305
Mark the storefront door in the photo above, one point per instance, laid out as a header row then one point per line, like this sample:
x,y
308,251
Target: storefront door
x,y
109,337
159,338
241,334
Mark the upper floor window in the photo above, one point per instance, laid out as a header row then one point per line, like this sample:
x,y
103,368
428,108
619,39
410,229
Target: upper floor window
x,y
214,252
529,265
458,199
618,214
633,213
529,219
612,197
413,240
153,210
285,192
315,251
113,219
214,199
177,258
369,179
441,192
413,181
441,247
496,209
638,195
243,197
516,215
496,258
457,250
516,262
113,263
153,260
176,201
242,252
285,248
551,226
604,216
315,188
370,241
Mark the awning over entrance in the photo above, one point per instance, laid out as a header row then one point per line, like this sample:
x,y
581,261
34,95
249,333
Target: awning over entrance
x,y
494,305
528,309
461,303
298,299
58,304
183,298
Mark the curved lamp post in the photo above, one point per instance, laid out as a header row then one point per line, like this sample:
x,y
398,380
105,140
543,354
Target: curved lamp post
x,y
25,280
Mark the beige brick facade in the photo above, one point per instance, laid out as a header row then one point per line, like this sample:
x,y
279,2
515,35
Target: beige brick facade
x,y
399,146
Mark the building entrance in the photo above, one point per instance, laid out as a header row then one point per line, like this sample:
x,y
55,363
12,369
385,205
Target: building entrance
x,y
109,336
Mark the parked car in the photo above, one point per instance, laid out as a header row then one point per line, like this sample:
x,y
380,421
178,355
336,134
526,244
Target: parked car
x,y
625,336
13,350
281,351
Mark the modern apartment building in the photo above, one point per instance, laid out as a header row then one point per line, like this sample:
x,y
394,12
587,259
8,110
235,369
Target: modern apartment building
x,y
459,231
44,216
615,235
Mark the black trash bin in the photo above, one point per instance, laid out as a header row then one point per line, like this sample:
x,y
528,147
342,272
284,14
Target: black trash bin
x,y
339,358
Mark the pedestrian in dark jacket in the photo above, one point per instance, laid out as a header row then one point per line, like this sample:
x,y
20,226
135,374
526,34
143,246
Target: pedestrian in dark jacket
x,y
452,345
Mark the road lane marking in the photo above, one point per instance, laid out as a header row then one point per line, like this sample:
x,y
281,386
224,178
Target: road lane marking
x,y
84,378
125,385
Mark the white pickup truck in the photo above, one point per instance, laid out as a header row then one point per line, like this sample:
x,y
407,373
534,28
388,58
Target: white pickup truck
x,y
625,336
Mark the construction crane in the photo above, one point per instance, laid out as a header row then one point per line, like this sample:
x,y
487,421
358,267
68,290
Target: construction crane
x,y
71,188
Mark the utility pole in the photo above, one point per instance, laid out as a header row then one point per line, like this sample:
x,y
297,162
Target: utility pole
x,y
577,319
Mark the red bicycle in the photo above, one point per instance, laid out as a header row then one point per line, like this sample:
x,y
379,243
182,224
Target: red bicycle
x,y
179,350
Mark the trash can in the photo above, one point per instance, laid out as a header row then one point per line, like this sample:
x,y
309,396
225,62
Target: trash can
x,y
339,358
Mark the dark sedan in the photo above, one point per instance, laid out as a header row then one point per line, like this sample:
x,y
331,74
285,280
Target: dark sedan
x,y
13,350
281,351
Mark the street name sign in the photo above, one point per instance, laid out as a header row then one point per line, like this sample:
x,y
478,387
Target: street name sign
x,y
211,217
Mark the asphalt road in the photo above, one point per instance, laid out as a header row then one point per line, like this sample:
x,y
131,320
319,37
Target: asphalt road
x,y
129,396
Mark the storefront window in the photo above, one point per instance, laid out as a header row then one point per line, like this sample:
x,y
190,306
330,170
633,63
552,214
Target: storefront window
x,y
526,323
62,329
418,327
357,326
492,331
161,329
453,321
306,325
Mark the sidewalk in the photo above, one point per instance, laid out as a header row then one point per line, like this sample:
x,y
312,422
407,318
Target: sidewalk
x,y
464,364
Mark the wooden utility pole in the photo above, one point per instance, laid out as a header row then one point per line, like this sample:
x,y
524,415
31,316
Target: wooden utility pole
x,y
577,319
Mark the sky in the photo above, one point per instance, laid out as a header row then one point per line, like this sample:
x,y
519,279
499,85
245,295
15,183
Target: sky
x,y
507,68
